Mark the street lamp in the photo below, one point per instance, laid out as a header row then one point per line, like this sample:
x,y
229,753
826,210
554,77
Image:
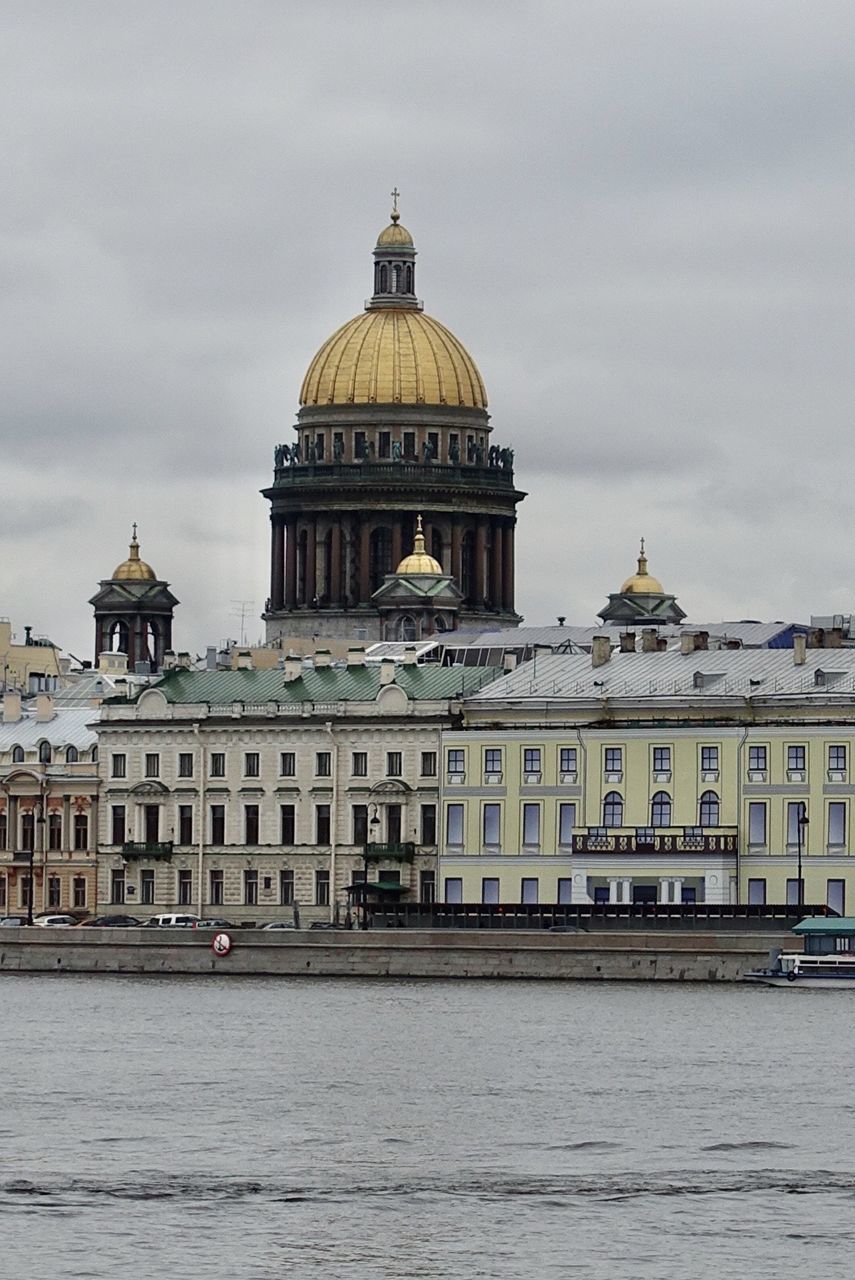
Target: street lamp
x,y
372,836
801,823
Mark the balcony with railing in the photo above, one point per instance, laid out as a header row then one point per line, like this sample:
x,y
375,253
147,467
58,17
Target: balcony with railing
x,y
403,851
392,471
656,840
133,849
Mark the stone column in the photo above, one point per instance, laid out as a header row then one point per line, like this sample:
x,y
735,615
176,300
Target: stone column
x,y
335,564
613,890
290,562
455,549
480,558
627,891
277,561
497,586
397,551
677,890
364,561
508,566
664,890
311,563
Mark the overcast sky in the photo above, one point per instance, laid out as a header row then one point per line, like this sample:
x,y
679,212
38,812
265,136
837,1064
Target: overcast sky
x,y
636,214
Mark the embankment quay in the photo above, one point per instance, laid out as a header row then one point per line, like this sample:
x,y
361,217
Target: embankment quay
x,y
654,955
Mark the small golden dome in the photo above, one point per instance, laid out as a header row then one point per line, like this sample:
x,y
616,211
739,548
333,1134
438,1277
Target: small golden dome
x,y
642,583
393,356
395,236
418,561
133,569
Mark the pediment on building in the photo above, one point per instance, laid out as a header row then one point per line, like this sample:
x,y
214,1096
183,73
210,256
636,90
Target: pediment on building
x,y
390,787
149,787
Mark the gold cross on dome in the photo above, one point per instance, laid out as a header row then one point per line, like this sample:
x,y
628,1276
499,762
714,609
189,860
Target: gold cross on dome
x,y
135,528
395,195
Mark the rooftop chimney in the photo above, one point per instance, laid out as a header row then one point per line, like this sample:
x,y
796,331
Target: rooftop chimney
x,y
169,663
410,655
183,661
648,640
323,658
387,671
799,650
562,618
509,662
292,668
687,643
355,656
702,641
601,650
627,642
44,708
11,706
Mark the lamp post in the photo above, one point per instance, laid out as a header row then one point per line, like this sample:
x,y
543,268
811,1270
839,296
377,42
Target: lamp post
x,y
801,823
372,836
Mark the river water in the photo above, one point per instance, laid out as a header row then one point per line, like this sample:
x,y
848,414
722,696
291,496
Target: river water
x,y
258,1128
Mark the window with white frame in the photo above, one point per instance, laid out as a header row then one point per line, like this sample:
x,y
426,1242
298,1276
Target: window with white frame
x,y
185,764
529,890
757,758
836,824
218,764
613,760
456,760
566,823
492,826
709,759
531,826
796,759
152,764
567,760
251,764
359,764
454,825
660,810
531,760
493,760
836,759
757,824
662,760
613,809
709,810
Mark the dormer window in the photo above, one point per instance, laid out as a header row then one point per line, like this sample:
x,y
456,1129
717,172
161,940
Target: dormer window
x,y
17,755
71,755
45,754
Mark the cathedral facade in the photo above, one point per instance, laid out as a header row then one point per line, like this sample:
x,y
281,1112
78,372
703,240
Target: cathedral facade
x,y
392,424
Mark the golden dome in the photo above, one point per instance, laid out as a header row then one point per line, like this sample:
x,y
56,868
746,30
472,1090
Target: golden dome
x,y
418,561
393,356
642,583
395,236
133,569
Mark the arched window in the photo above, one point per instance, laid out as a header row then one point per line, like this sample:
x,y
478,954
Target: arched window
x,y
710,809
613,810
44,753
396,276
407,628
381,555
660,810
118,637
94,755
384,278
17,755
409,279
71,755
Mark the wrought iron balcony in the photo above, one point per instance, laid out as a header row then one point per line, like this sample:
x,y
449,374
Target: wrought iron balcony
x,y
147,849
402,852
656,840
389,471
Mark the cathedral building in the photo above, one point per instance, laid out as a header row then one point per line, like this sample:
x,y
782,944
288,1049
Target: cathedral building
x,y
393,422
133,613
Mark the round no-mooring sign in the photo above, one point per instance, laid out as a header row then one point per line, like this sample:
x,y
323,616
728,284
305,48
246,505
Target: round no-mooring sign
x,y
221,944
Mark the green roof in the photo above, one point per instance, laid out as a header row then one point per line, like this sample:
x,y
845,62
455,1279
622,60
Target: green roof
x,y
324,684
826,924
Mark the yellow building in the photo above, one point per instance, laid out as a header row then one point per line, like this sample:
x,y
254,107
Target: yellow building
x,y
677,776
31,666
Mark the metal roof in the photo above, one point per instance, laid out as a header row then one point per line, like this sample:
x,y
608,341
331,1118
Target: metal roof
x,y
68,728
826,924
708,674
322,684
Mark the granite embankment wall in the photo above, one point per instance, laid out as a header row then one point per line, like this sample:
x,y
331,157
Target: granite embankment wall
x,y
636,955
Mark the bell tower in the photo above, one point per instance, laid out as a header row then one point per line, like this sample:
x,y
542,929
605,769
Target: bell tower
x,y
133,613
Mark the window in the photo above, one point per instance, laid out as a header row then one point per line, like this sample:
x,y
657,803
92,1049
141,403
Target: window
x,y
251,764
54,826
837,759
662,761
492,826
566,823
709,759
393,823
795,893
3,898
489,890
531,760
218,764
117,885
17,755
54,891
4,829
531,826
118,824
456,761
322,887
119,765
185,764
250,824
185,888
394,764
359,764
565,891
151,820
215,887
757,825
95,755
835,896
322,824
567,760
323,764
660,810
28,831
797,824
147,887
428,823
836,824
493,760
287,764
796,759
428,764
613,810
453,889
81,831
185,824
287,824
72,755
152,764
613,760
427,886
45,753
250,888
78,891
218,824
360,823
528,889
454,826
757,759
709,810
25,891
286,887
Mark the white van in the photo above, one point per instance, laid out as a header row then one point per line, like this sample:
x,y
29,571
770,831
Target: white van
x,y
172,921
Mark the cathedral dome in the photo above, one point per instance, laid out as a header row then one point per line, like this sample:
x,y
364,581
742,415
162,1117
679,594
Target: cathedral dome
x,y
642,583
418,561
133,569
394,235
393,356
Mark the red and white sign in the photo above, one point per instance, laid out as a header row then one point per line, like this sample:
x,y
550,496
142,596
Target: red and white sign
x,y
221,944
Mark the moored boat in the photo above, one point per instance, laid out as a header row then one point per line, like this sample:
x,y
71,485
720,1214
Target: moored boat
x,y
827,960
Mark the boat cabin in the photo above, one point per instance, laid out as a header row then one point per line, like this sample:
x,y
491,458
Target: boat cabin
x,y
825,936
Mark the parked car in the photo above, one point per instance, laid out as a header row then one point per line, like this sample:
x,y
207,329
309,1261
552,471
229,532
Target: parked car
x,y
55,922
324,924
111,922
216,924
279,924
12,922
173,920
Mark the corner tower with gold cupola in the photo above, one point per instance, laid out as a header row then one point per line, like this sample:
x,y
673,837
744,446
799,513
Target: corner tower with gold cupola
x,y
392,421
133,613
